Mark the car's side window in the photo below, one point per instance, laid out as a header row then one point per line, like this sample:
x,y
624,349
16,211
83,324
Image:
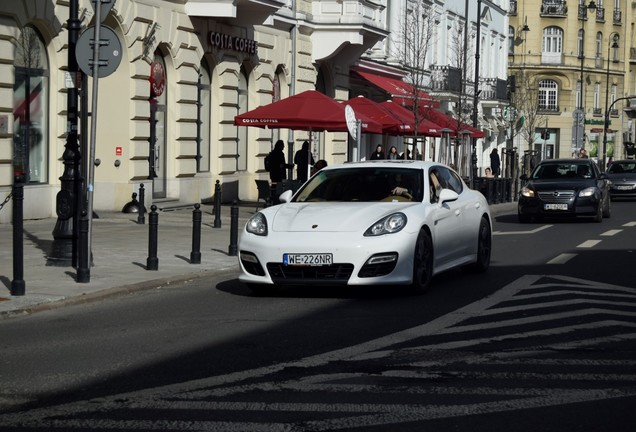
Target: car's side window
x,y
435,184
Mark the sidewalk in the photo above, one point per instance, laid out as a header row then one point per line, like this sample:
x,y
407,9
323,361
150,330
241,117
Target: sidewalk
x,y
120,252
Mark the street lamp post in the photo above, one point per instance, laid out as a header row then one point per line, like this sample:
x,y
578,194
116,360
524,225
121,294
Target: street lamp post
x,y
613,45
473,156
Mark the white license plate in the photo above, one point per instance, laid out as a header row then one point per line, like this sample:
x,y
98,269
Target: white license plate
x,y
555,206
302,259
621,187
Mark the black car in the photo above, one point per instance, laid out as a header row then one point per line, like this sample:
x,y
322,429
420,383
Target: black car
x,y
565,187
622,173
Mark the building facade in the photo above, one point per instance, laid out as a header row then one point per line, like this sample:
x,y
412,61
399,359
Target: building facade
x,y
576,56
164,117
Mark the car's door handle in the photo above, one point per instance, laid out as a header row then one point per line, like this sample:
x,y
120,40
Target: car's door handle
x,y
458,212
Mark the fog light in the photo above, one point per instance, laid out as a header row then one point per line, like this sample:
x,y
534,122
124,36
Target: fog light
x,y
383,259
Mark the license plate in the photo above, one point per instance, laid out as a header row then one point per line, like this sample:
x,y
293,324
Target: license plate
x,y
621,187
555,206
303,259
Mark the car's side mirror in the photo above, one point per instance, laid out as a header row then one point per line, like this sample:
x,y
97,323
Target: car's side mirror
x,y
447,195
286,196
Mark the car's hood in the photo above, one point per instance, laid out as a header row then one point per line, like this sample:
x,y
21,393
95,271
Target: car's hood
x,y
622,176
331,217
576,184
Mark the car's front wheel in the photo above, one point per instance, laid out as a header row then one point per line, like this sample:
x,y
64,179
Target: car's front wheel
x,y
423,263
607,210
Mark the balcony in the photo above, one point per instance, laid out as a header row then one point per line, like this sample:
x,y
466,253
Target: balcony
x,y
616,17
614,112
632,55
600,14
493,89
346,27
446,79
554,8
513,7
249,12
597,112
582,12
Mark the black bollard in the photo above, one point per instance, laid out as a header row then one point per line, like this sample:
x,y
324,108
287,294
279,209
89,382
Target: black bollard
x,y
195,255
141,216
18,284
233,249
83,268
152,263
217,205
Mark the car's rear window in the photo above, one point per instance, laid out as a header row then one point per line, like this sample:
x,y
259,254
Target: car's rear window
x,y
622,167
361,184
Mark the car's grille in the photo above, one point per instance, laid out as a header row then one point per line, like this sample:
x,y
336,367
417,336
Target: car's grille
x,y
336,274
558,196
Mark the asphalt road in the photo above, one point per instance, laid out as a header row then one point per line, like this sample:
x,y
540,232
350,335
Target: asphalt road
x,y
544,341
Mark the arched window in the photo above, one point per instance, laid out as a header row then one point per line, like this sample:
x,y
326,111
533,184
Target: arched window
x,y
205,120
30,107
580,43
599,45
548,95
241,149
552,45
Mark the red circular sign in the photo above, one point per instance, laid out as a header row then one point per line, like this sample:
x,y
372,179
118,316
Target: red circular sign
x,y
157,78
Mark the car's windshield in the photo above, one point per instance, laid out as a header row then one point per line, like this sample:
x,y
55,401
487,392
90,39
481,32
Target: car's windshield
x,y
622,167
363,184
553,171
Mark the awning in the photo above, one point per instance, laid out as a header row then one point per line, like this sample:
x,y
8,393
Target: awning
x,y
398,90
450,122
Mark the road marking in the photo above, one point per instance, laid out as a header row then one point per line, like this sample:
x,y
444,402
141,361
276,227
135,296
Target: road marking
x,y
589,244
534,231
630,224
562,259
611,232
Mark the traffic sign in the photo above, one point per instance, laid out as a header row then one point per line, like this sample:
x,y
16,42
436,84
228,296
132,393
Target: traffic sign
x,y
109,51
104,7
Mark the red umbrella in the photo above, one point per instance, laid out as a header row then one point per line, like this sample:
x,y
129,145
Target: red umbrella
x,y
450,122
425,127
391,123
309,110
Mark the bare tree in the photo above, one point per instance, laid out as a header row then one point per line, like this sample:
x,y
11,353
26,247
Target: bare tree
x,y
416,38
526,101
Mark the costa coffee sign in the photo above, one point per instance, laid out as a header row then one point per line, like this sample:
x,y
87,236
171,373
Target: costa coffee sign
x,y
233,43
157,78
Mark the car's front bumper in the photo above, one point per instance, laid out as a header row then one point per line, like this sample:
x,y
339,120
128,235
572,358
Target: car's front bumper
x,y
579,206
261,258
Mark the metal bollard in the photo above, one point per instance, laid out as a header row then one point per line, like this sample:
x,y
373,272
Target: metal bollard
x,y
233,249
195,255
152,263
141,216
83,268
217,205
18,284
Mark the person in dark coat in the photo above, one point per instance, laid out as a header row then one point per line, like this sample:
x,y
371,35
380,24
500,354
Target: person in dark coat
x,y
277,169
495,162
378,153
303,160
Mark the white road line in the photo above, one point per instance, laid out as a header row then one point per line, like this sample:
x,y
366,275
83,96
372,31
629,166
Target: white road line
x,y
562,259
534,231
611,232
629,224
589,243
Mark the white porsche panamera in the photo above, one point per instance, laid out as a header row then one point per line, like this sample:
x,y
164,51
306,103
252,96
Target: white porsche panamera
x,y
368,223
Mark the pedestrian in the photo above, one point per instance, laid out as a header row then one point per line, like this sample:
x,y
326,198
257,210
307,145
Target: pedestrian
x,y
277,168
488,173
393,154
320,164
583,153
378,153
495,162
303,160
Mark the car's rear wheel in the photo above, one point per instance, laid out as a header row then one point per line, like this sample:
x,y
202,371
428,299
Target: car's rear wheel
x,y
484,247
422,263
607,210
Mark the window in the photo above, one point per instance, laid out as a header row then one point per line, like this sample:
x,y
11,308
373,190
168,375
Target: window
x,y
548,95
241,148
203,147
552,45
579,94
580,47
511,40
597,98
599,45
30,107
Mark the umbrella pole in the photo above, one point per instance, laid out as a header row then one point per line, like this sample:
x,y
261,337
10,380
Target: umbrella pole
x,y
311,140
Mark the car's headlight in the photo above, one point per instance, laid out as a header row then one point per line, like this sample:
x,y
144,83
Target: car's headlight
x,y
587,192
527,192
387,225
257,224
